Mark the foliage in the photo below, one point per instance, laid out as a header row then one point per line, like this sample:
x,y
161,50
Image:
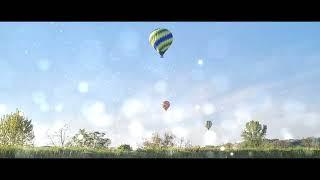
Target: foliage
x,y
125,147
309,142
93,140
16,130
158,141
154,142
254,134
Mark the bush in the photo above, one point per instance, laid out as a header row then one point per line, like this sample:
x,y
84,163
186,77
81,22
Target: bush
x,y
125,147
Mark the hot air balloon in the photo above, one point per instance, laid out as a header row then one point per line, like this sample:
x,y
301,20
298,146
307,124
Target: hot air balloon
x,y
166,105
208,124
161,39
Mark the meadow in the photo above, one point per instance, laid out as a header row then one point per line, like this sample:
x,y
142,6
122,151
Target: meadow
x,y
195,152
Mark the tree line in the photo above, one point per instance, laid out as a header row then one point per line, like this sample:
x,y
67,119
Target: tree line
x,y
17,130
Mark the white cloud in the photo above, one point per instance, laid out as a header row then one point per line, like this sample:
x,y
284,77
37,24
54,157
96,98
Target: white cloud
x,y
43,64
180,131
133,107
44,107
136,129
208,109
231,126
200,62
55,126
59,107
286,134
96,114
58,124
3,109
197,107
266,103
134,134
174,115
83,87
210,138
41,134
311,119
160,87
40,99
294,106
242,115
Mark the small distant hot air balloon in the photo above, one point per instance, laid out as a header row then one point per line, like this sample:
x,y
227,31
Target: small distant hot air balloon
x,y
166,105
161,39
208,124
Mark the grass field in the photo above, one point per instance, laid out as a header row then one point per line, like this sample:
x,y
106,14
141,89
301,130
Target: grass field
x,y
55,152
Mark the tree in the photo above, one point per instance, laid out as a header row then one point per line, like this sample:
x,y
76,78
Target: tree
x,y
307,142
125,147
156,141
168,140
15,129
60,137
90,139
184,143
228,146
316,142
254,133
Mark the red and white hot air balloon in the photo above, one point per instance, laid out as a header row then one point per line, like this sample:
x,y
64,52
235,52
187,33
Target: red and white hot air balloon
x,y
166,105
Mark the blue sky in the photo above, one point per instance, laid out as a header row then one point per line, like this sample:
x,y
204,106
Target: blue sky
x,y
106,76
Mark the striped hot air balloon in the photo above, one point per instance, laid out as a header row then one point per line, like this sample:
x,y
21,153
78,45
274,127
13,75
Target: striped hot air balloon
x,y
165,105
161,39
208,124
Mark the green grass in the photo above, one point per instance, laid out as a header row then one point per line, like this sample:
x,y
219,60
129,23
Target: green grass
x,y
56,152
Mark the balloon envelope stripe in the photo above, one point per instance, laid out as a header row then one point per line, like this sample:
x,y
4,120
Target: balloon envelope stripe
x,y
158,43
165,48
161,34
165,44
162,39
160,31
156,34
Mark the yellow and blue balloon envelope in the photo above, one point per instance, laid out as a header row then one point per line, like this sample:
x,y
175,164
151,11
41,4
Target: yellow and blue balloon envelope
x,y
161,39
